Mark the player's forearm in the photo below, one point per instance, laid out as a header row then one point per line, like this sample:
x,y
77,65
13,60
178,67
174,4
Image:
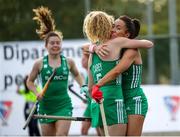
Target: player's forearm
x,y
113,74
79,79
90,78
146,44
90,82
123,65
31,86
132,43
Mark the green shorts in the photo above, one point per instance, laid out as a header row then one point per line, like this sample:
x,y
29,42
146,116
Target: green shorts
x,y
135,102
113,106
62,110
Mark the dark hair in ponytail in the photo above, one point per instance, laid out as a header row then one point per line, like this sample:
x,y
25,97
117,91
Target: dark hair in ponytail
x,y
137,27
132,25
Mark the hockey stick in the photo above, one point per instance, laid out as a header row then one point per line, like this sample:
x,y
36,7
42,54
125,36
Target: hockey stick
x,y
34,106
104,118
62,118
76,94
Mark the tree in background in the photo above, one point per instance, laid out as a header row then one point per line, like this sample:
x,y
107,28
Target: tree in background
x,y
16,22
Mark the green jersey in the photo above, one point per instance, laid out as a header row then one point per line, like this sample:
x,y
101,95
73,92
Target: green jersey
x,y
131,78
56,100
112,92
100,68
135,99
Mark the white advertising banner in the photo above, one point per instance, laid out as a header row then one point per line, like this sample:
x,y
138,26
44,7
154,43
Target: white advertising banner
x,y
164,108
16,60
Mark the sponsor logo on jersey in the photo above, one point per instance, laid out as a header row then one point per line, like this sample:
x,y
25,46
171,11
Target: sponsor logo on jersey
x,y
60,77
97,67
65,71
45,65
48,72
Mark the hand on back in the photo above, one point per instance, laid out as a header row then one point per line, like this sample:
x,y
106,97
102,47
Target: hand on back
x,y
102,50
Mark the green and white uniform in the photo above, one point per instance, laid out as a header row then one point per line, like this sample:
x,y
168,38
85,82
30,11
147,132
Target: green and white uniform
x,y
134,97
112,92
56,100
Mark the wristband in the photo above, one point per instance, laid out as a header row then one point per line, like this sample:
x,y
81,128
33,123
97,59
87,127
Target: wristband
x,y
91,48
